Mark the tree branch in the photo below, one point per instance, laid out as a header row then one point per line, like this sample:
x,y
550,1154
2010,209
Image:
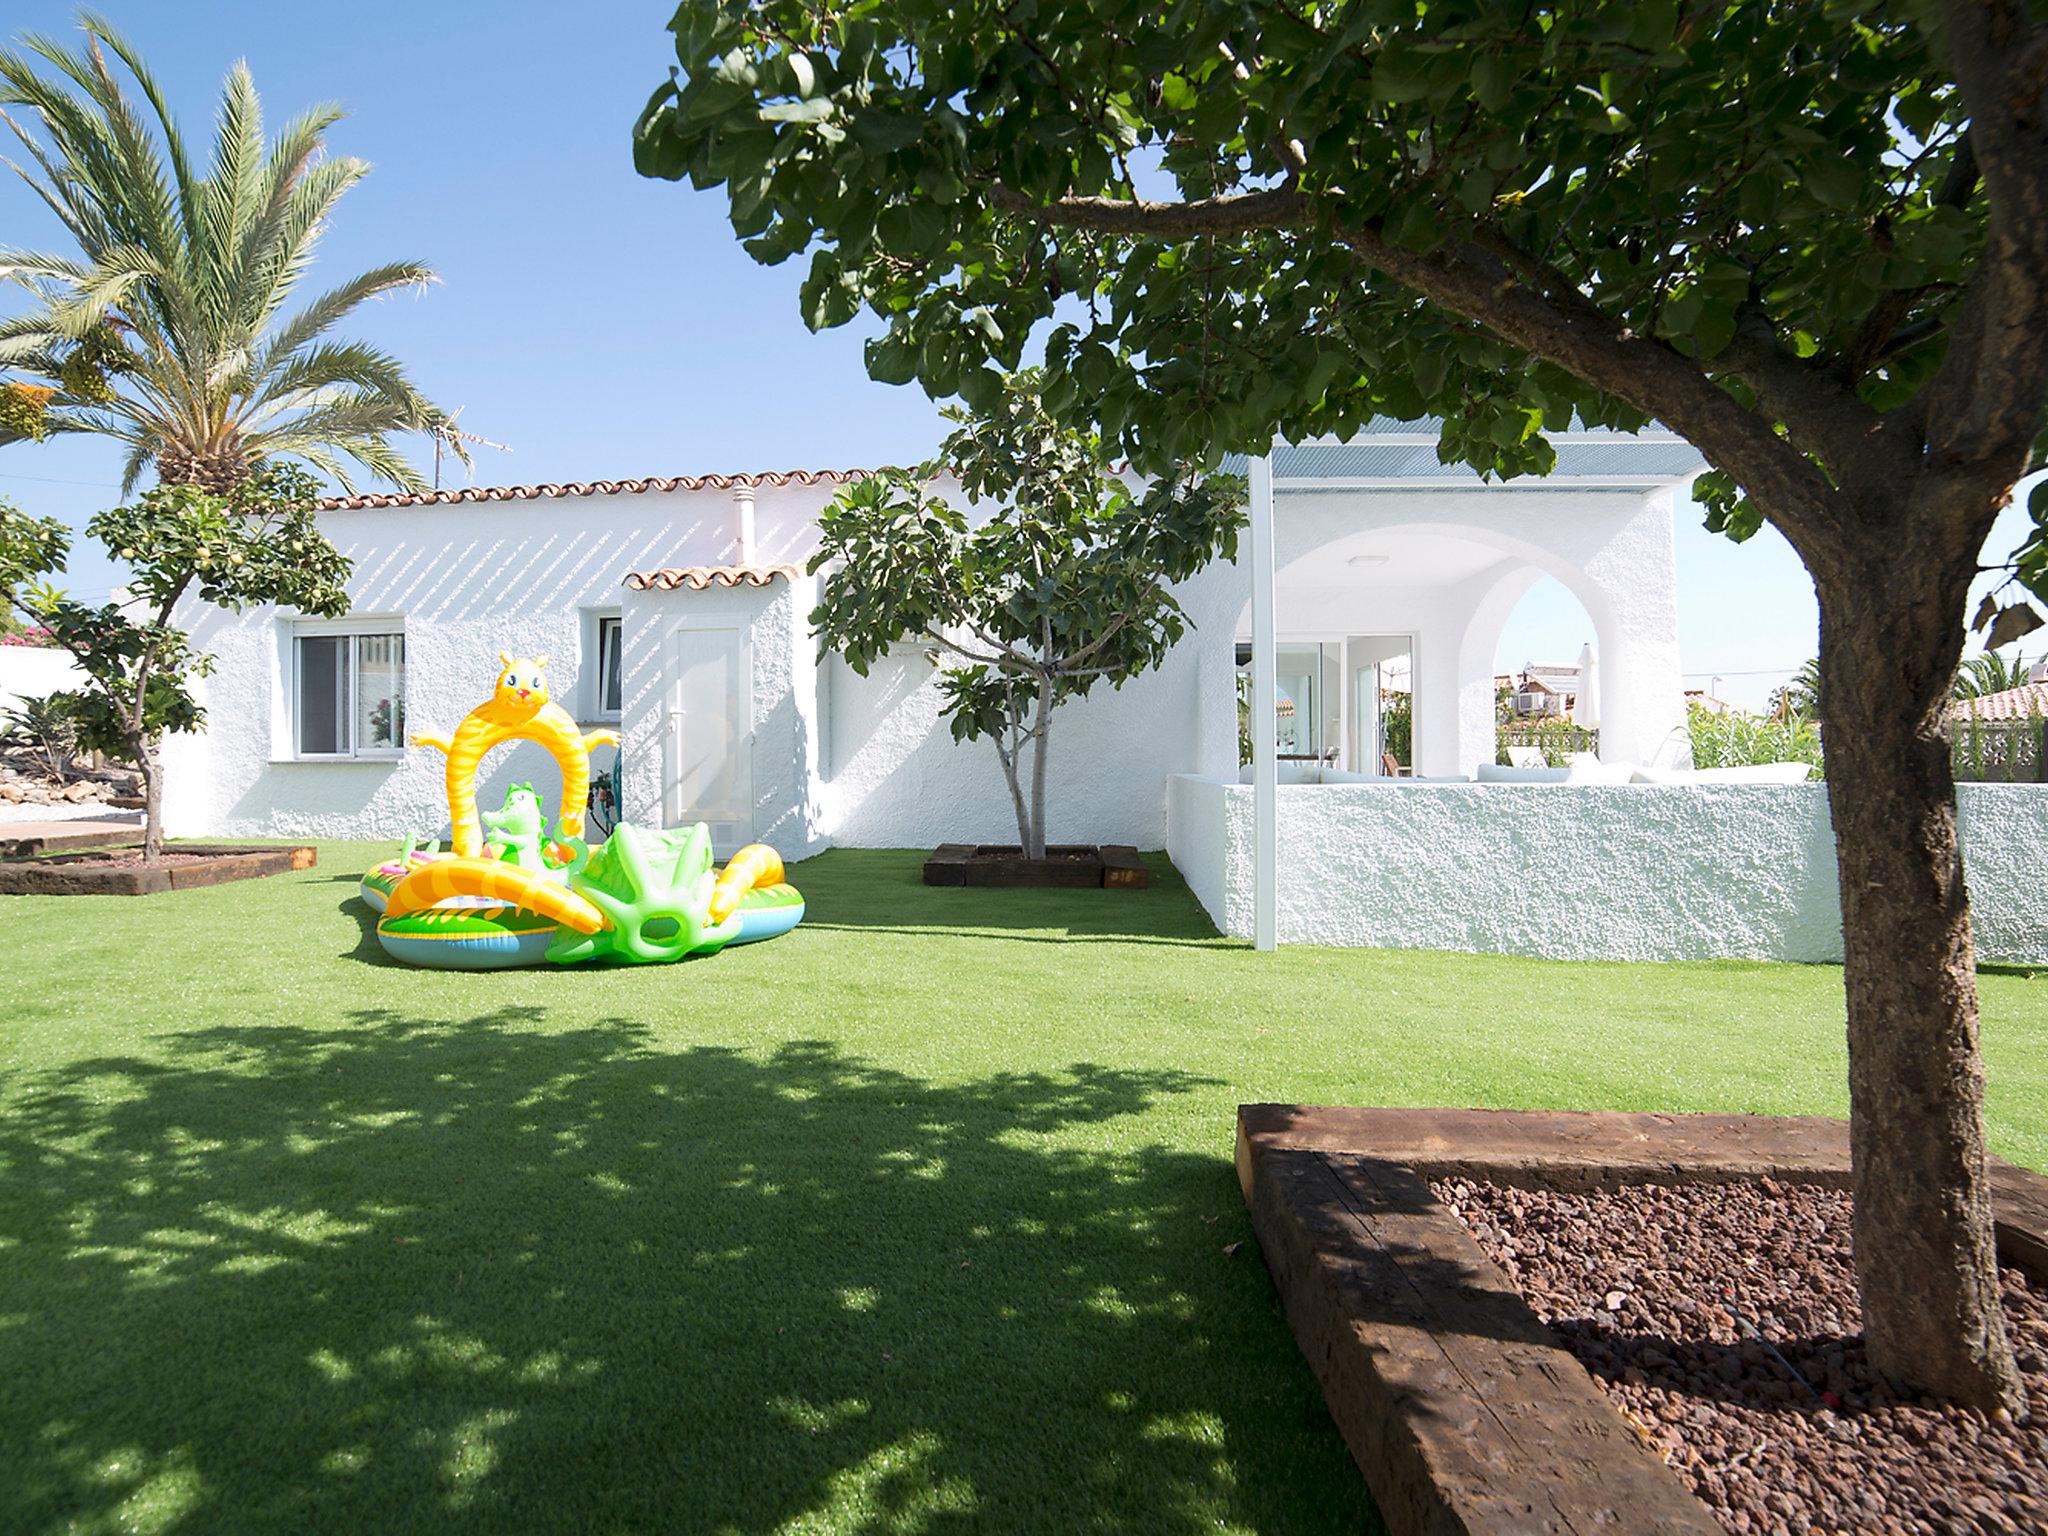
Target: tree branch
x,y
1280,207
1003,654
1528,304
1890,311
1979,415
1548,317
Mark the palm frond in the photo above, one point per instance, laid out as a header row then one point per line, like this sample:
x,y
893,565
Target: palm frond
x,y
335,305
349,364
225,200
167,123
273,268
29,266
265,261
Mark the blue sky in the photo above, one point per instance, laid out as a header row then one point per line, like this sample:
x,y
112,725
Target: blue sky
x,y
606,326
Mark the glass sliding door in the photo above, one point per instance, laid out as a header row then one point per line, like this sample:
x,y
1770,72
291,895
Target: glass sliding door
x,y
1299,700
1382,702
1308,699
323,695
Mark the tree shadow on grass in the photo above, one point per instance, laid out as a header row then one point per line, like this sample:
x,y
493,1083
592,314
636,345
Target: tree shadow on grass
x,y
405,1274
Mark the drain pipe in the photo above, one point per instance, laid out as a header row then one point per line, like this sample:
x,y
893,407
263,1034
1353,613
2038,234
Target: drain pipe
x,y
743,507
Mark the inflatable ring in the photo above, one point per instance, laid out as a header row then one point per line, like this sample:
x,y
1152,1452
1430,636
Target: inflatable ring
x,y
468,934
767,912
380,880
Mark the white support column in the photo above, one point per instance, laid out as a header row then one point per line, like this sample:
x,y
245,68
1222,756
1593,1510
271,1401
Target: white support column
x,y
1265,717
1346,756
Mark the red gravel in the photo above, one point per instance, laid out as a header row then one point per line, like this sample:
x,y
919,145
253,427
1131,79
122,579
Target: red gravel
x,y
1651,1287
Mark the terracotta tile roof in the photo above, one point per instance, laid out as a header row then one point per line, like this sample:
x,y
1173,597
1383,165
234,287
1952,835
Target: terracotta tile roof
x,y
698,577
472,493
2011,704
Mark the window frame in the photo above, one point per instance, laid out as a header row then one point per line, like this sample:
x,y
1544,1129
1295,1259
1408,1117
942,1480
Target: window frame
x,y
600,622
352,630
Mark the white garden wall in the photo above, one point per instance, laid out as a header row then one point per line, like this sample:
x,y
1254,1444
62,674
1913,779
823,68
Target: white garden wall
x,y
1633,872
30,671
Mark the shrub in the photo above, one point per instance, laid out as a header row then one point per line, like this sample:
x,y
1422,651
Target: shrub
x,y
1737,738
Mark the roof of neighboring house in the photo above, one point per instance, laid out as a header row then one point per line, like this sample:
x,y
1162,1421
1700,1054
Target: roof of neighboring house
x,y
2009,704
473,493
698,577
1552,679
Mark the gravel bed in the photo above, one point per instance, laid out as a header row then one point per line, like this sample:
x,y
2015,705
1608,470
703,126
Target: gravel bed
x,y
84,810
1722,1320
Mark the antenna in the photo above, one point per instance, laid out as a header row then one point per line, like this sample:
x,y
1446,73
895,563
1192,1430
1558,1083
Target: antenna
x,y
449,438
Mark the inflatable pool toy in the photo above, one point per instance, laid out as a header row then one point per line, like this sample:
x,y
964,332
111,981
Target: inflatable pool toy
x,y
524,898
380,880
464,936
520,709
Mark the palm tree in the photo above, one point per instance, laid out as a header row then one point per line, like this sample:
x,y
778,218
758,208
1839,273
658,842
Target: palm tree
x,y
170,329
1801,696
1993,672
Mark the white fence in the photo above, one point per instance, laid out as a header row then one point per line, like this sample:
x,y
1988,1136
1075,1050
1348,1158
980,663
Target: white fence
x,y
1571,871
29,671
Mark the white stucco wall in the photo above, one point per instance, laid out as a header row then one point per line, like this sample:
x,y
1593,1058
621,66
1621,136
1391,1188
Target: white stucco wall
x,y
1635,872
835,758
30,671
465,581
1201,815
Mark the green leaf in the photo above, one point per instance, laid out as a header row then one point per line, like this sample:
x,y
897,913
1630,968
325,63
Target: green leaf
x,y
1835,181
815,110
2013,622
1398,75
1493,77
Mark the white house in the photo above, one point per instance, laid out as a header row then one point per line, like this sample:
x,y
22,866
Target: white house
x,y
676,609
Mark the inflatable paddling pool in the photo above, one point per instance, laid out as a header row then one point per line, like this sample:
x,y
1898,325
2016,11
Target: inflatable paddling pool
x,y
528,898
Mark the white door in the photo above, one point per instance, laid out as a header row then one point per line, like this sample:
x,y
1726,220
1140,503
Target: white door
x,y
707,752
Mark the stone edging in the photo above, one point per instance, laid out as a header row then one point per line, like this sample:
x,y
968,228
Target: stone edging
x,y
72,875
1465,1413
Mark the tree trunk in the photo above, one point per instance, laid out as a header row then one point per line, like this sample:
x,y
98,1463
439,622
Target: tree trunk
x,y
1034,842
1892,619
1008,756
152,798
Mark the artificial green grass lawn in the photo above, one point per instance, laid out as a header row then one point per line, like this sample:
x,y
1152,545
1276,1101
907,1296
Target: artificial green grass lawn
x,y
920,1218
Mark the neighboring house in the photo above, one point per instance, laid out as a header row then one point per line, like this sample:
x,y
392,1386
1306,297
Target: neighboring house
x,y
1545,690
676,610
1708,702
2028,701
